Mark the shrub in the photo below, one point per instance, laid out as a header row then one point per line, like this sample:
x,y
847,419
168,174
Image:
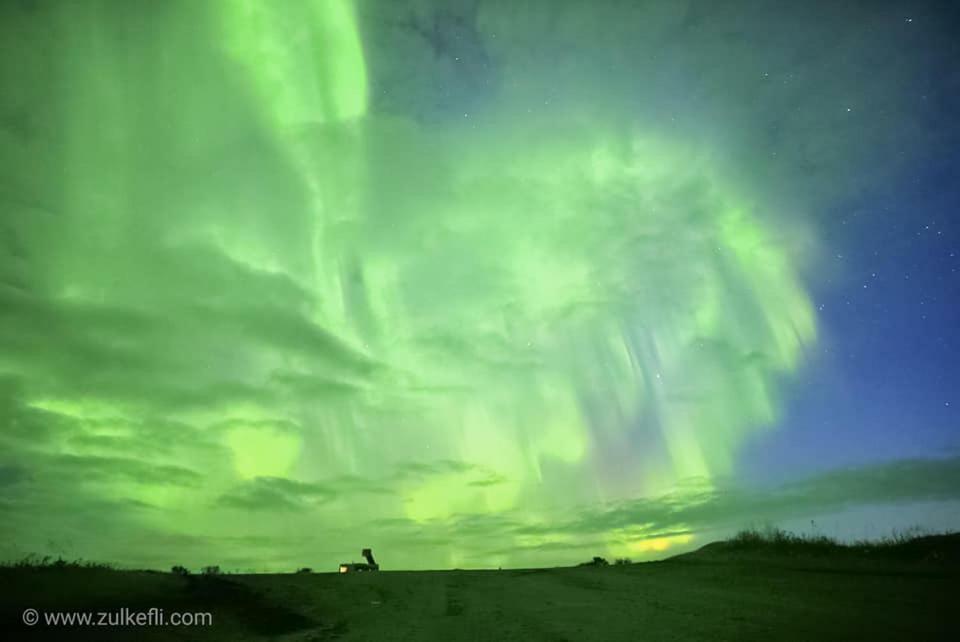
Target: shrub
x,y
180,570
596,561
305,569
622,561
211,570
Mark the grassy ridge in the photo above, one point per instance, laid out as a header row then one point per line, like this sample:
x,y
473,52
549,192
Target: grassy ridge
x,y
904,547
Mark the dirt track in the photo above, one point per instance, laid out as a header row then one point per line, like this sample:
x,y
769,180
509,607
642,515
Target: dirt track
x,y
692,599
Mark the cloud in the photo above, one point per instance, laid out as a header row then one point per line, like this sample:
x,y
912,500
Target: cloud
x,y
692,512
422,469
698,508
274,493
476,256
282,494
11,475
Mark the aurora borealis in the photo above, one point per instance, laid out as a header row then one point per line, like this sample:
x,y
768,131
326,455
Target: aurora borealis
x,y
473,283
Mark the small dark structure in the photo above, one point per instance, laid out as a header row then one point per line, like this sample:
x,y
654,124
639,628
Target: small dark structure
x,y
371,564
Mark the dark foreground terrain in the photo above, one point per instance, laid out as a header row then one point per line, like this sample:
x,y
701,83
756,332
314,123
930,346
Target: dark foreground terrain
x,y
725,591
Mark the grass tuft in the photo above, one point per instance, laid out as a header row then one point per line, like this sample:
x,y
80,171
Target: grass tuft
x,y
33,561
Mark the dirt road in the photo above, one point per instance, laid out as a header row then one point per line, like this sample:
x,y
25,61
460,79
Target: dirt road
x,y
692,599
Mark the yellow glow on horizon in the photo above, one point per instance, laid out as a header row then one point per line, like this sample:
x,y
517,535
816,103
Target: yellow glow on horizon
x,y
658,544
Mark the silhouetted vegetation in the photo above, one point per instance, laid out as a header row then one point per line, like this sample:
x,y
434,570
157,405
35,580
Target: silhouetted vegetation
x,y
305,569
48,562
622,561
596,561
211,570
781,539
777,538
909,545
180,570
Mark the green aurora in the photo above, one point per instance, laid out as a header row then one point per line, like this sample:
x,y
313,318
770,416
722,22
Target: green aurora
x,y
258,311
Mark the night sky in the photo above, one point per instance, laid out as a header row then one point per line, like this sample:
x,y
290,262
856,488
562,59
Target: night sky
x,y
474,283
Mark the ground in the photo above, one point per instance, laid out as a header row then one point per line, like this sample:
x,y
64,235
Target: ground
x,y
714,594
